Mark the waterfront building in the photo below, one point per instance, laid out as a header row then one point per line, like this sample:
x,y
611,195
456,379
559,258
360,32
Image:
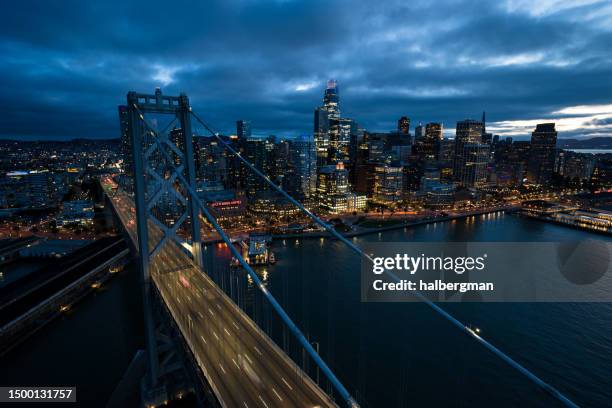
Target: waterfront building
x,y
388,183
333,190
231,209
356,202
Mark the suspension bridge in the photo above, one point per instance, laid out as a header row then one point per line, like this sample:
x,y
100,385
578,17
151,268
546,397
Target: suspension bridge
x,y
241,363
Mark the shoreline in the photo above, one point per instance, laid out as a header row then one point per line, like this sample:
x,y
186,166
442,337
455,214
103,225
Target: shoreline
x,y
564,224
367,231
400,225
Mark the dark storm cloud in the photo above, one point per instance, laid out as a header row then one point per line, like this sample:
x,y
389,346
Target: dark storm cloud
x,y
67,65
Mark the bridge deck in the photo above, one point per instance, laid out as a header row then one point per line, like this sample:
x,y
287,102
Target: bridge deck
x,y
243,365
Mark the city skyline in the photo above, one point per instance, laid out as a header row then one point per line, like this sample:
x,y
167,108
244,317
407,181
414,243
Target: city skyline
x,y
240,203
294,203
545,63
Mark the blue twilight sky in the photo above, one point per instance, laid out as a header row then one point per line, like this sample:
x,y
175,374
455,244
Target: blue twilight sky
x,y
66,65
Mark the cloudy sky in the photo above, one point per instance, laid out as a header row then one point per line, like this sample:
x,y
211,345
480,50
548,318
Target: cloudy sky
x,y
65,66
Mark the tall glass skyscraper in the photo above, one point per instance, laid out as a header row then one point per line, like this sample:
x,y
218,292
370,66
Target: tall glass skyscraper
x,y
332,134
471,154
331,100
303,163
321,134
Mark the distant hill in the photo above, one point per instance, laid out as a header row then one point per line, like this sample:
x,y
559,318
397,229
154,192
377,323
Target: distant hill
x,y
80,141
593,143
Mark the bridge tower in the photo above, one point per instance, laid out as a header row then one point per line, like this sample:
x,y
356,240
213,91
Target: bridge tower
x,y
158,192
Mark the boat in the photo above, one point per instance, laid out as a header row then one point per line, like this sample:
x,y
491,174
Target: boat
x,y
256,252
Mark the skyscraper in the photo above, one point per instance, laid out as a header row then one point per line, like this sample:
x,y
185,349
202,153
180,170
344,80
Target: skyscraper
x,y
303,162
332,134
332,188
388,182
473,159
331,100
471,154
542,153
321,134
258,152
403,126
210,156
469,131
339,139
419,132
433,136
511,162
427,144
243,129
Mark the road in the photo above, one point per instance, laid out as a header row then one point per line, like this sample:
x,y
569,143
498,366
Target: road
x,y
18,297
243,365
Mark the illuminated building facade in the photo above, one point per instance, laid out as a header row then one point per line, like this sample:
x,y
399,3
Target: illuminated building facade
x,y
388,183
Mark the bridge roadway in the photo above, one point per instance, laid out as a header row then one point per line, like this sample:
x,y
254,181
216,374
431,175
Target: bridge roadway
x,y
9,246
20,296
243,365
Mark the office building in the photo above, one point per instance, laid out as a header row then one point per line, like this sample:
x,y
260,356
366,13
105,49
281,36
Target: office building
x,y
471,154
388,183
427,144
542,154
243,129
303,164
